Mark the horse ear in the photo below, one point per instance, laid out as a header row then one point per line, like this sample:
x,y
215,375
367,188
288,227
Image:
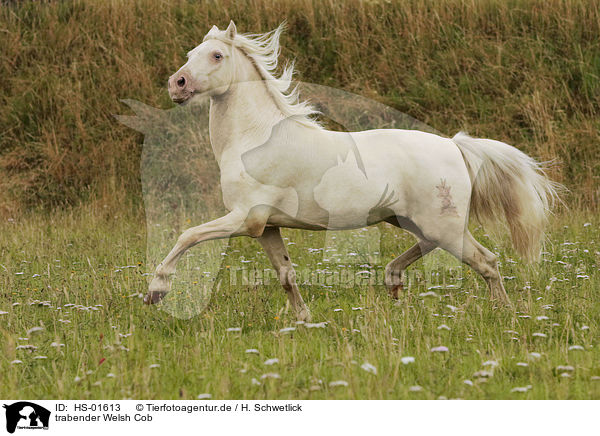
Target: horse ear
x,y
231,30
212,32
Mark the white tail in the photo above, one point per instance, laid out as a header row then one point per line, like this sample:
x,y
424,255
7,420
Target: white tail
x,y
508,182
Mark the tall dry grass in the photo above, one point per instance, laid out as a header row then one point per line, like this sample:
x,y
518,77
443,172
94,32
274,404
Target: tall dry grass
x,y
524,72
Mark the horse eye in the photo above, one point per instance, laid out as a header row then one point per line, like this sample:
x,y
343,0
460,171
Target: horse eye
x,y
218,56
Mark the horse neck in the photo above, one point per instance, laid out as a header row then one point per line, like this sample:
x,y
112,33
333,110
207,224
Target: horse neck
x,y
242,117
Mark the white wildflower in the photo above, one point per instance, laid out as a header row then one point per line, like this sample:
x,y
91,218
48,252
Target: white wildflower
x,y
521,389
273,375
369,368
565,368
35,330
318,325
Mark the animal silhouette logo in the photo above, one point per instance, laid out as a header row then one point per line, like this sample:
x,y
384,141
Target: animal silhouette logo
x,y
26,415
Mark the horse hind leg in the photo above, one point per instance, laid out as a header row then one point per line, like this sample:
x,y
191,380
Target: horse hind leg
x,y
394,269
481,260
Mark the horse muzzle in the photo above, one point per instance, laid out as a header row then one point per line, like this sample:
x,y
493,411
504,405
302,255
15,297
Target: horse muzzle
x,y
180,87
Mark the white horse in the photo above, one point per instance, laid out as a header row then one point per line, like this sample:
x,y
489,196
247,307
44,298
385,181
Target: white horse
x,y
280,168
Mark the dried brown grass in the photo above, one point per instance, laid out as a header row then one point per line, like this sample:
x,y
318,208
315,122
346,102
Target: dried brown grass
x,y
523,72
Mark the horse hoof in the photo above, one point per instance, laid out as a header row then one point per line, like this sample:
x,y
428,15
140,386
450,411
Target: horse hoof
x,y
154,297
395,291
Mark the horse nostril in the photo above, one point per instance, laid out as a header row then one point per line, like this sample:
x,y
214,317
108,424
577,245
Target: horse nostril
x,y
181,82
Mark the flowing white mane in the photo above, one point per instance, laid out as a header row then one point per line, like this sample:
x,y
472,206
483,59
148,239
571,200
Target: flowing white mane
x,y
263,50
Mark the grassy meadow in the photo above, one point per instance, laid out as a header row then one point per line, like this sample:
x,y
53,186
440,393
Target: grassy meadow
x,y
77,241
76,281
525,72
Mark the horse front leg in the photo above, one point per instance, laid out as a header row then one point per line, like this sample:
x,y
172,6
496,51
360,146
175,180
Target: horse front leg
x,y
232,224
275,248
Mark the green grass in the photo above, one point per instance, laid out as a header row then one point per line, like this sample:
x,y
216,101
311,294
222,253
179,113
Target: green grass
x,y
77,256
